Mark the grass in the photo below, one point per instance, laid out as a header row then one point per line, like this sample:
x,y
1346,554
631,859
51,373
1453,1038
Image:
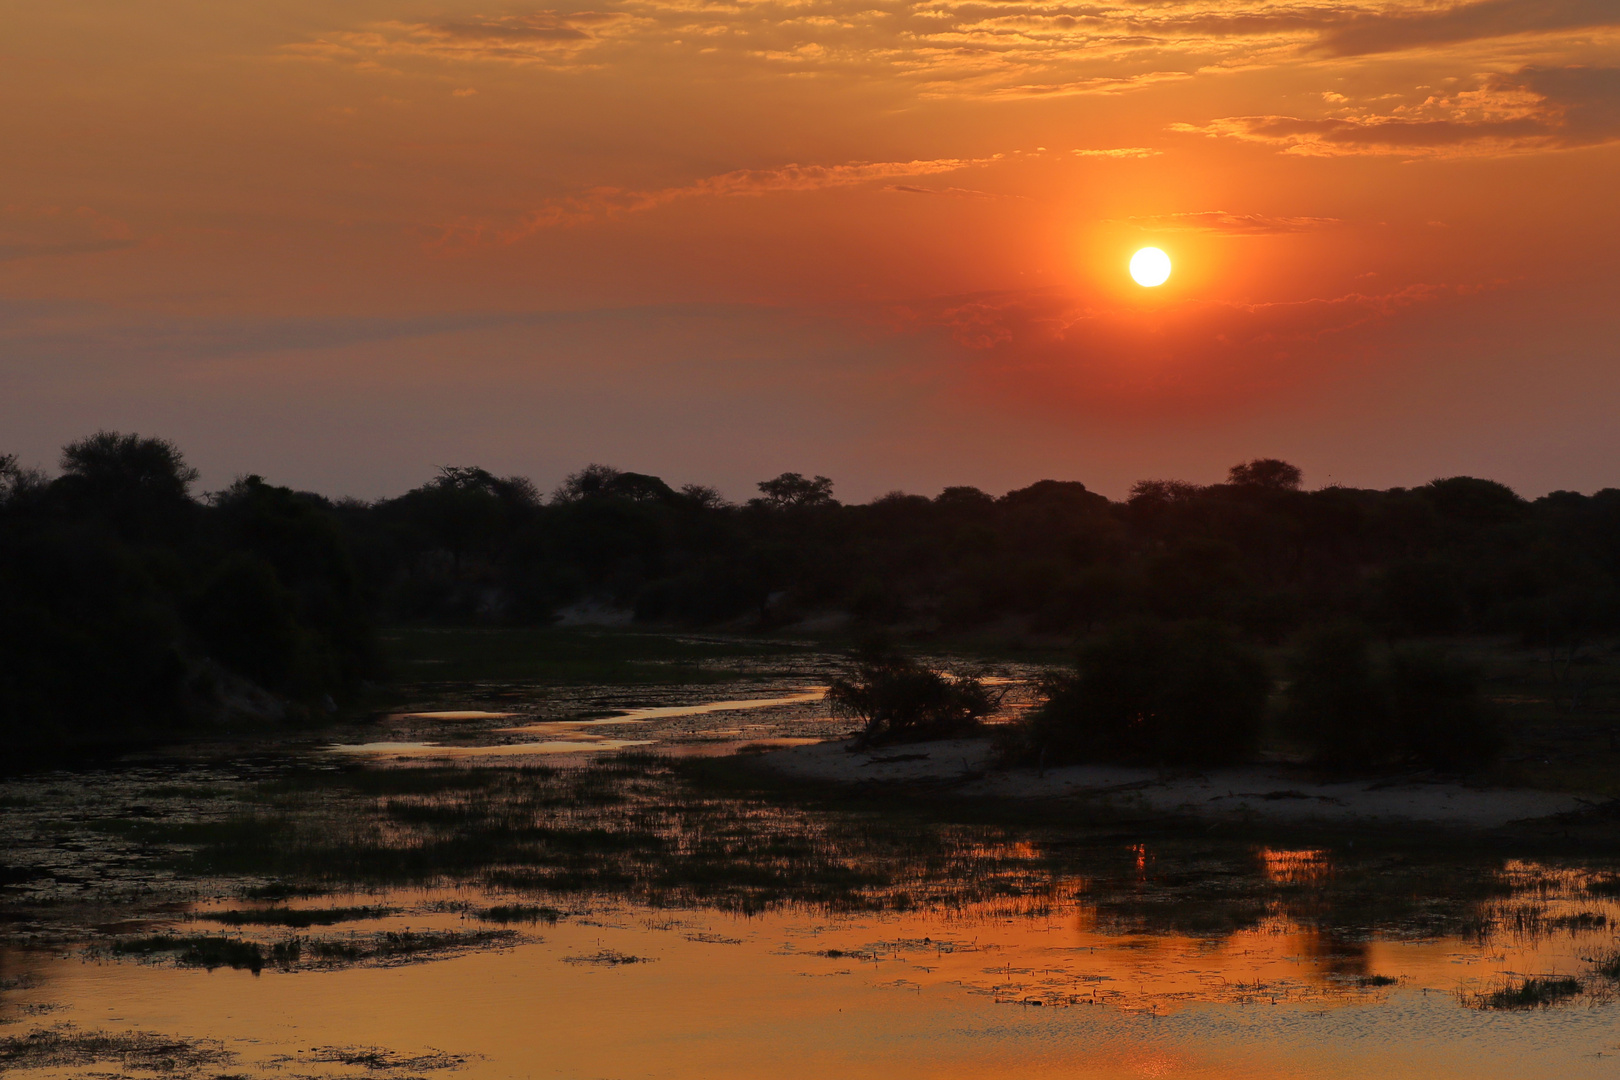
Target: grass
x,y
1607,966
298,918
557,657
398,945
520,913
68,1047
195,951
1531,993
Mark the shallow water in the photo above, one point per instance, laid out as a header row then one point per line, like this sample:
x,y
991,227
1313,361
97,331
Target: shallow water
x,y
661,928
575,736
626,990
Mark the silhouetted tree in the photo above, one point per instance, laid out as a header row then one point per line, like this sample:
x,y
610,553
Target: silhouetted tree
x,y
791,491
1267,473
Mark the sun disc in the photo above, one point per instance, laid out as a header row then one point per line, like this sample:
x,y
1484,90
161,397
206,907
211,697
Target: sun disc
x,y
1150,267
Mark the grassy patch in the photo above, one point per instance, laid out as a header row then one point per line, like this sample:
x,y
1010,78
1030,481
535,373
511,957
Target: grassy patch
x,y
298,918
558,657
1531,993
520,913
195,951
68,1047
608,958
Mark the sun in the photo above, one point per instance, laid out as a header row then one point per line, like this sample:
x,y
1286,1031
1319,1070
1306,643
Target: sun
x,y
1150,267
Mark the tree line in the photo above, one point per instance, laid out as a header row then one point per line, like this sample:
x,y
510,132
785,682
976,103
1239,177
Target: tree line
x,y
130,603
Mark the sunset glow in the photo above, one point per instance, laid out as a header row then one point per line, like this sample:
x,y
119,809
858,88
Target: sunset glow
x,y
880,243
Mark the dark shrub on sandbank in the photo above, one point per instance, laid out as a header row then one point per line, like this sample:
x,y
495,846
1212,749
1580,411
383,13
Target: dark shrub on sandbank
x,y
896,699
1152,693
1355,709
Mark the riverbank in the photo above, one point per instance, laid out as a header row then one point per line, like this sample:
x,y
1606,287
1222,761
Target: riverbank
x,y
1250,794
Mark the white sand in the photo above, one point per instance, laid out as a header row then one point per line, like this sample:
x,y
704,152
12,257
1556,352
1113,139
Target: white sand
x,y
1255,793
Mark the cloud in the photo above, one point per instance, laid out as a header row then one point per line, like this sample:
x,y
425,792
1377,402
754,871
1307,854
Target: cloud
x,y
30,232
953,49
1390,32
1120,152
537,38
1222,221
954,192
1537,109
608,202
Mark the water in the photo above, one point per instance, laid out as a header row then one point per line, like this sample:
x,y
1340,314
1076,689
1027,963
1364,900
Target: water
x,y
573,736
580,915
915,994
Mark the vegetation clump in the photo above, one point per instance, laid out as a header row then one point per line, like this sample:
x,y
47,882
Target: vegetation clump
x,y
897,699
1150,693
1356,709
66,1046
520,913
1531,993
298,918
196,951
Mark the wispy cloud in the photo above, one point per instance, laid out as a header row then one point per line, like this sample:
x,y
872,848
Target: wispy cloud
x,y
609,202
1534,110
29,232
1223,221
944,49
1361,33
543,37
1119,152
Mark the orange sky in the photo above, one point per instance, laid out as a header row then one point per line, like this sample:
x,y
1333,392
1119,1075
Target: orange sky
x,y
882,240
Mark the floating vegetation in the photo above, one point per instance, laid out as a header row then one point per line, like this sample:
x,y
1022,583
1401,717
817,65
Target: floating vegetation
x,y
66,1046
212,952
608,958
195,951
402,945
1530,993
297,918
520,913
379,1059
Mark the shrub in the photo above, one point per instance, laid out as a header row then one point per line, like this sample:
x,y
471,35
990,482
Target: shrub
x,y
899,700
1338,700
1443,721
1413,707
1149,692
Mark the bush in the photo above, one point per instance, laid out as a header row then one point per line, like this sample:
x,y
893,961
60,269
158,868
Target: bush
x,y
1443,720
1149,692
899,700
1338,702
1415,707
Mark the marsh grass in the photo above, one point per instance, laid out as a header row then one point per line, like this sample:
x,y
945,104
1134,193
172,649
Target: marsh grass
x,y
1530,993
1607,965
195,951
608,958
297,918
398,945
519,913
66,1046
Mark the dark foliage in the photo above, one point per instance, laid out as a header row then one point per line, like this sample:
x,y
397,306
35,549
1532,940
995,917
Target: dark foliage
x,y
1152,693
129,610
897,699
129,604
1356,709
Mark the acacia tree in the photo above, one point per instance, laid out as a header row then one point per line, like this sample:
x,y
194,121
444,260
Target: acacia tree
x,y
791,490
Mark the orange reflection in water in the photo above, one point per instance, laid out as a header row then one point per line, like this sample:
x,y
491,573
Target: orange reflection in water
x,y
798,994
